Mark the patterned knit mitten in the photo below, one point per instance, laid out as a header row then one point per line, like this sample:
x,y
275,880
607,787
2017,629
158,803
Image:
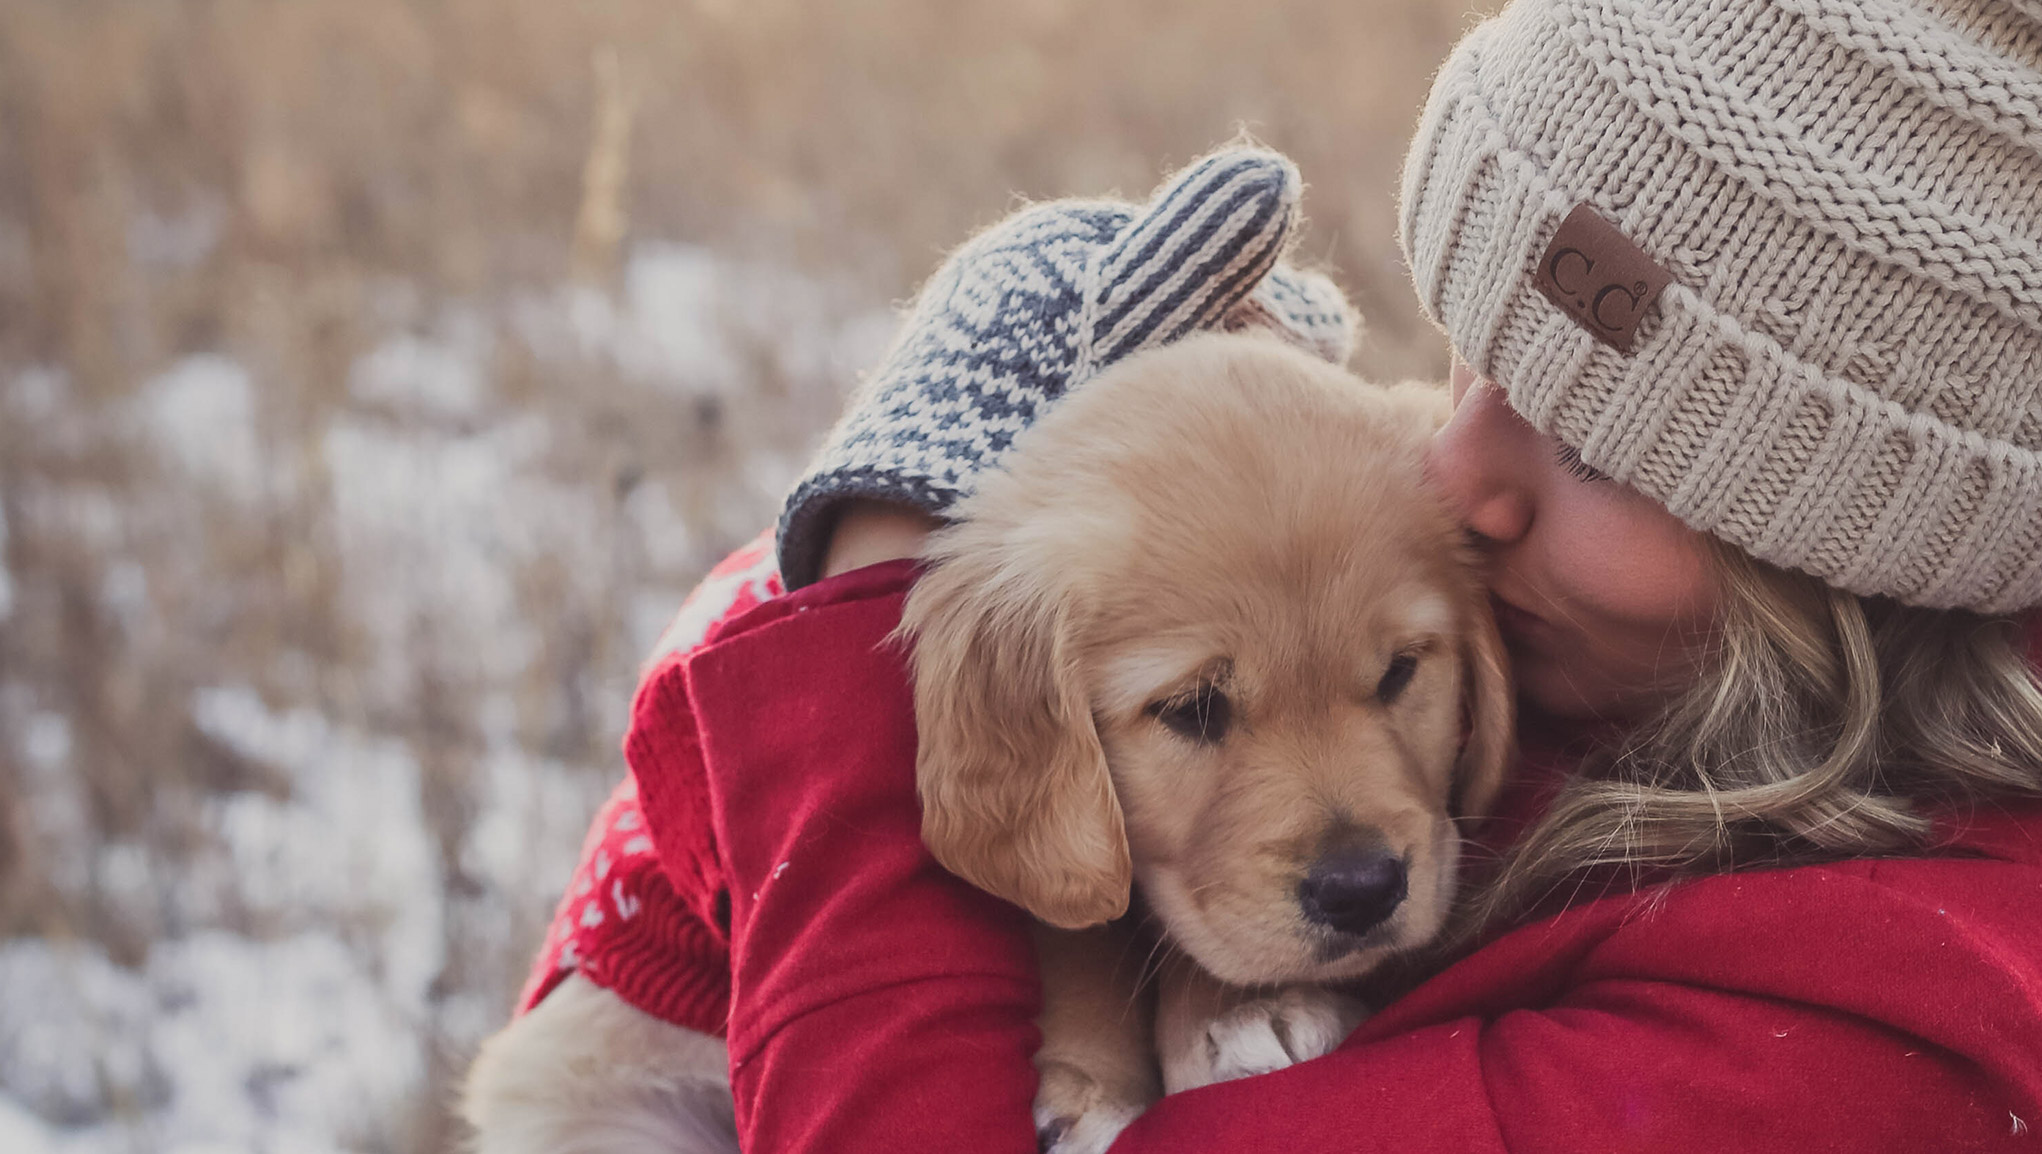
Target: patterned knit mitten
x,y
1041,302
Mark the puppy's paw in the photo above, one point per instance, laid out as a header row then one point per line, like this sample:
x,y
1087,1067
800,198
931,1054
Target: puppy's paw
x,y
1263,1034
1076,1113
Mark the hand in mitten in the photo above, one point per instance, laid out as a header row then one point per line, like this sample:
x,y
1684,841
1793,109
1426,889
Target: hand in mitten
x,y
1036,306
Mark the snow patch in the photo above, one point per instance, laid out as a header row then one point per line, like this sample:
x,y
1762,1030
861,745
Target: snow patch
x,y
200,414
39,398
176,240
46,742
432,528
298,1028
302,982
23,1133
38,394
673,320
216,1042
124,590
697,323
349,846
527,838
433,377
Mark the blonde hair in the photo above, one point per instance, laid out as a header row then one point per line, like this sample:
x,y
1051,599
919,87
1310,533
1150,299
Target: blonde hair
x,y
1827,726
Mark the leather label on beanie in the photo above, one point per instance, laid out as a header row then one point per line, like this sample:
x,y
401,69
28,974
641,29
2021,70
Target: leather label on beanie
x,y
1599,278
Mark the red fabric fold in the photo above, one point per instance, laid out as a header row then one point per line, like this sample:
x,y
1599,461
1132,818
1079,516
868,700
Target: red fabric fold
x,y
821,861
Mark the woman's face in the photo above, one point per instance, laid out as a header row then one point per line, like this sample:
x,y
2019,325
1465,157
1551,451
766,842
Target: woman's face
x,y
1605,600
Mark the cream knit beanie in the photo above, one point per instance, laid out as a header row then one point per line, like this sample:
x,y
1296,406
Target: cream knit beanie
x,y
1776,264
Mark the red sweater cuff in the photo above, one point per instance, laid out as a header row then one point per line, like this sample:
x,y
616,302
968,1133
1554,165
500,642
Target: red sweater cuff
x,y
667,964
621,925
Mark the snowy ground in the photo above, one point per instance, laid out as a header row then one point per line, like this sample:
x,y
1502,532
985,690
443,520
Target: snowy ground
x,y
323,942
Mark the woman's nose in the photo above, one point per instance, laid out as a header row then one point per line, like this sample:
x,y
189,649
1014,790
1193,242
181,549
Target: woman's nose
x,y
1477,461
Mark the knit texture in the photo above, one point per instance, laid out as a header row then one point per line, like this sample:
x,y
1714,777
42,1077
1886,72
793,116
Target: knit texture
x,y
621,925
1039,304
649,931
1845,374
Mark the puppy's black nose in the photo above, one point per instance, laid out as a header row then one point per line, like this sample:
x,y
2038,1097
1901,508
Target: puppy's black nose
x,y
1352,891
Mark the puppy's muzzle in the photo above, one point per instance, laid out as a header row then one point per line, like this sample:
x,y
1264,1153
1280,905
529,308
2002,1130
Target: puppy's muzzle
x,y
1352,891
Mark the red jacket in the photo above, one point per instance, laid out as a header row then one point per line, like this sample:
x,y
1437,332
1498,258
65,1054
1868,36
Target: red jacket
x,y
880,1004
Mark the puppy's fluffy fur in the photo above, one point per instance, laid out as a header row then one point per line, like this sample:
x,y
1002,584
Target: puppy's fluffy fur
x,y
1209,637
586,1073
1206,634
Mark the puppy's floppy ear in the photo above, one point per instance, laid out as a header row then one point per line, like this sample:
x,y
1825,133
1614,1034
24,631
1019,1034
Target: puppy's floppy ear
x,y
1491,713
1015,794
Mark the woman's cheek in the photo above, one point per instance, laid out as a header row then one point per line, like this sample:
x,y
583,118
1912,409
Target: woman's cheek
x,y
1630,564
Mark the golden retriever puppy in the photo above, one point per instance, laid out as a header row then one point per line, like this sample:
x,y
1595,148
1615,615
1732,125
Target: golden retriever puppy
x,y
1206,637
585,1072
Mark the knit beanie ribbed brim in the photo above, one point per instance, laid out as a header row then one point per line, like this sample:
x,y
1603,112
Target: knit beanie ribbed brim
x,y
1844,373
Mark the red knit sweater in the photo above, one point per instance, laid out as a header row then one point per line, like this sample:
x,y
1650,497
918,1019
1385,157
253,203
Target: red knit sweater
x,y
620,923
881,1004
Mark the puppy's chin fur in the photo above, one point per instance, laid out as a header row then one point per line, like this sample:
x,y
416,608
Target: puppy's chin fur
x,y
1249,956
586,1073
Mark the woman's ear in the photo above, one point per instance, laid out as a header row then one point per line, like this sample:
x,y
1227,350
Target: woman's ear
x,y
1490,706
1016,798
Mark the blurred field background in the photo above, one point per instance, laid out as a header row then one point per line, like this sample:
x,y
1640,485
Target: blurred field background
x,y
376,376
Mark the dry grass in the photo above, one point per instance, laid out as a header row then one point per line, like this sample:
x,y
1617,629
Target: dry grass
x,y
293,182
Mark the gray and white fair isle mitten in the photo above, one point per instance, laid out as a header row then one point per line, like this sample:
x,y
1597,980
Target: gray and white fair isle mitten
x,y
1036,306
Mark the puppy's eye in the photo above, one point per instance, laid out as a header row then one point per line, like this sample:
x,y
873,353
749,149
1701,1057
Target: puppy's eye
x,y
1203,715
1403,667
